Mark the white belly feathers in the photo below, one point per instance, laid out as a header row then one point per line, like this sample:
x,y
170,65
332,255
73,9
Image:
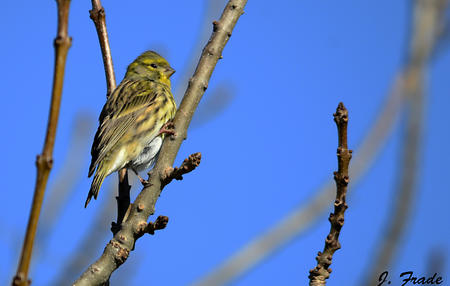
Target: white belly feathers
x,y
148,156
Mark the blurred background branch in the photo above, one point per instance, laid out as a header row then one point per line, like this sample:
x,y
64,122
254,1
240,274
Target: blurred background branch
x,y
91,243
67,180
428,17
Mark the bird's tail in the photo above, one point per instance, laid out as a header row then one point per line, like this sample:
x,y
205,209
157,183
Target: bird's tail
x,y
96,184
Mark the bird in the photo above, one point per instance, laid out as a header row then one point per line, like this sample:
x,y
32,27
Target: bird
x,y
133,121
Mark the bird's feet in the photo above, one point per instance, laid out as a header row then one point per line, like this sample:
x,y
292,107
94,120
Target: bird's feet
x,y
143,181
168,128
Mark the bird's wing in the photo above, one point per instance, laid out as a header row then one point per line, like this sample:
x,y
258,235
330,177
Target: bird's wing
x,y
119,114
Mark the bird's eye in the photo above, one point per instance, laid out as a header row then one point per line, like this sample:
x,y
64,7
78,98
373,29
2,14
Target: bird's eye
x,y
154,66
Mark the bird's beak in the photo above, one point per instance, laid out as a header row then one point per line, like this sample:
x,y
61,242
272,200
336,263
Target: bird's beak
x,y
169,71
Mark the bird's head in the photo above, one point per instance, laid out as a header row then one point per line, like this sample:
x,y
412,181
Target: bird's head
x,y
150,65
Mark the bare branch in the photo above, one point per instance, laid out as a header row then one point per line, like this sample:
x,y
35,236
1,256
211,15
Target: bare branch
x,y
160,223
98,17
44,161
188,165
321,272
117,250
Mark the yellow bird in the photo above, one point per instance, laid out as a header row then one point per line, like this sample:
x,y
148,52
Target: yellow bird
x,y
133,121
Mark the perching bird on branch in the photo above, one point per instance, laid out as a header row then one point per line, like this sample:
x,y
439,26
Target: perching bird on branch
x,y
133,121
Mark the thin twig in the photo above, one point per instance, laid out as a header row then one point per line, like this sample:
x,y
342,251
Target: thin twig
x,y
188,165
117,250
321,272
44,161
97,15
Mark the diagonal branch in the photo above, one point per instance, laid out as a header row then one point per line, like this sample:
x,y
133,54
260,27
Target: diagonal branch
x,y
117,250
321,272
44,161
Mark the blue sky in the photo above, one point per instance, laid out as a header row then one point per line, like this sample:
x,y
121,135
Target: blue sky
x,y
284,70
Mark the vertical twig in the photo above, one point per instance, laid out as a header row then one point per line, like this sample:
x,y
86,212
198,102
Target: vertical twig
x,y
97,15
117,250
44,161
321,272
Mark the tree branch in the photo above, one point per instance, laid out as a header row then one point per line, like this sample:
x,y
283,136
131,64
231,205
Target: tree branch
x,y
321,272
188,165
117,250
44,161
98,17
